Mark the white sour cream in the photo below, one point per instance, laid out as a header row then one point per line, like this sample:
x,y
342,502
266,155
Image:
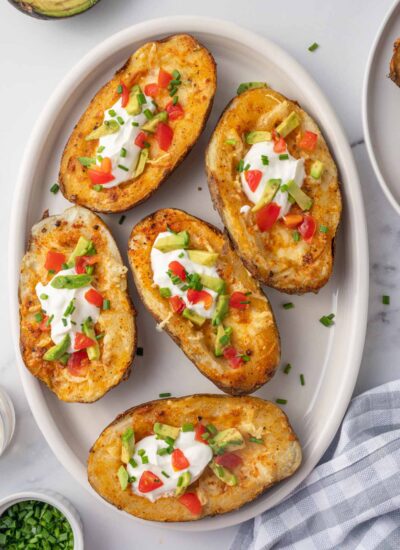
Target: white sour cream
x,y
197,453
57,302
285,170
124,138
161,260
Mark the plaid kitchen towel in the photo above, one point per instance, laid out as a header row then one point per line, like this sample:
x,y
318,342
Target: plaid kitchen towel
x,y
352,498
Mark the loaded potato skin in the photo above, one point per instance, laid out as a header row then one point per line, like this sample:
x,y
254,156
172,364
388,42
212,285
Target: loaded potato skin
x,y
94,358
269,452
154,109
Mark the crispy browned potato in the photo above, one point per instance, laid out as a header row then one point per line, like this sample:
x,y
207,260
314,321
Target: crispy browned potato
x,y
61,233
275,457
196,93
395,63
254,329
274,257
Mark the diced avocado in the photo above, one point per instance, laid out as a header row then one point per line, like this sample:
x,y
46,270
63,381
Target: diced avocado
x,y
123,477
165,292
221,310
183,482
133,107
316,169
108,127
128,445
288,124
223,474
194,317
175,241
203,257
269,192
151,125
214,283
222,339
227,440
71,281
93,352
244,86
57,351
303,200
257,137
164,430
81,249
143,157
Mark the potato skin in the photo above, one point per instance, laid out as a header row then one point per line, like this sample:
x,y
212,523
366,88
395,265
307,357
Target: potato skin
x,y
262,466
254,329
274,258
196,94
61,233
395,63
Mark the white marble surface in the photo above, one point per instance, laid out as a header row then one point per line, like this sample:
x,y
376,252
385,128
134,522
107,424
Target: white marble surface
x,y
34,57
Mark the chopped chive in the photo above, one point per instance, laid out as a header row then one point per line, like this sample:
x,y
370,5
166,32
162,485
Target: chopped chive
x,y
245,358
247,167
131,479
163,451
64,322
205,435
89,269
100,149
166,394
169,440
181,255
265,160
120,120
38,317
70,308
313,47
106,304
288,305
100,336
287,369
212,429
296,236
188,427
302,381
148,114
176,74
119,89
51,272
145,459
123,167
122,219
99,158
175,100
123,152
44,296
385,300
142,99
49,320
111,112
139,351
240,166
64,266
97,187
133,463
256,440
230,141
54,188
135,123
141,452
323,229
327,320
283,188
281,401
284,156
87,161
173,91
146,144
164,473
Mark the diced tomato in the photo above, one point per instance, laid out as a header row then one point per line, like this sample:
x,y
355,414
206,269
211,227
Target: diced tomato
x,y
177,304
94,297
124,95
106,165
174,111
280,145
82,261
149,482
267,216
307,228
98,177
239,300
164,135
44,327
77,363
253,178
192,503
198,432
164,78
177,269
82,341
54,261
232,356
179,460
292,220
196,296
151,89
140,139
308,141
229,460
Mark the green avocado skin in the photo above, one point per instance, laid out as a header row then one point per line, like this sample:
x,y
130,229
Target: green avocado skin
x,y
57,13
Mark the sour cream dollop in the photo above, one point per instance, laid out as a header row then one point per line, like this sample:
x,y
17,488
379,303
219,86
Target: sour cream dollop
x,y
56,304
285,170
197,453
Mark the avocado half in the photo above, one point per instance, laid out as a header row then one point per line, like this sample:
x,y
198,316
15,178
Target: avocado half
x,y
53,9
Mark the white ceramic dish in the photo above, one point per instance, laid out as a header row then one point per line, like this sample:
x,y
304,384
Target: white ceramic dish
x,y
381,108
329,358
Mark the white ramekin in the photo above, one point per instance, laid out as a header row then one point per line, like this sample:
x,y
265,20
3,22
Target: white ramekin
x,y
7,420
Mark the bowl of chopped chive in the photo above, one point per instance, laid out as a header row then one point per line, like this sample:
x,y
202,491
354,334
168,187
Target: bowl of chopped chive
x,y
39,519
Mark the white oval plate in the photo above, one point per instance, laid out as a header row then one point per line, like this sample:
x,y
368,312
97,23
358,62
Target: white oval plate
x,y
328,358
381,109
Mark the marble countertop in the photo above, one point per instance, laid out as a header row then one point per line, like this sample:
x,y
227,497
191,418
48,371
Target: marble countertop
x,y
37,54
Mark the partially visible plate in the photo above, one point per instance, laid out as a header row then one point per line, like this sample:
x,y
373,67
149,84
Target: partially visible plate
x,y
328,358
381,109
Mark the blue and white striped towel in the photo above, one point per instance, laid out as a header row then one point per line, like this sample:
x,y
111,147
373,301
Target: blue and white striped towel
x,y
352,498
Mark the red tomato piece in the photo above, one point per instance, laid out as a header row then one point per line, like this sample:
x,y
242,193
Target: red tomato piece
x,y
82,341
124,95
94,297
82,261
44,327
280,145
293,220
164,78
140,139
151,89
174,111
77,363
177,304
54,261
267,216
198,432
192,503
179,460
149,481
253,178
196,296
164,135
229,460
308,141
239,300
98,177
232,356
177,269
307,228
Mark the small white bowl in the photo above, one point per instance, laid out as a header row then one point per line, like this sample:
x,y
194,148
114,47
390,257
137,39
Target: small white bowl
x,y
56,500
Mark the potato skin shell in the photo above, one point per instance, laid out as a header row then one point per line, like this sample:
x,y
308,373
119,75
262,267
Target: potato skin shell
x,y
61,232
255,328
263,466
198,68
395,63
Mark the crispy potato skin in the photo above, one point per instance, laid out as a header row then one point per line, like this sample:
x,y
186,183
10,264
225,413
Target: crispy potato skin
x,y
262,465
395,63
61,233
273,257
254,329
196,94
